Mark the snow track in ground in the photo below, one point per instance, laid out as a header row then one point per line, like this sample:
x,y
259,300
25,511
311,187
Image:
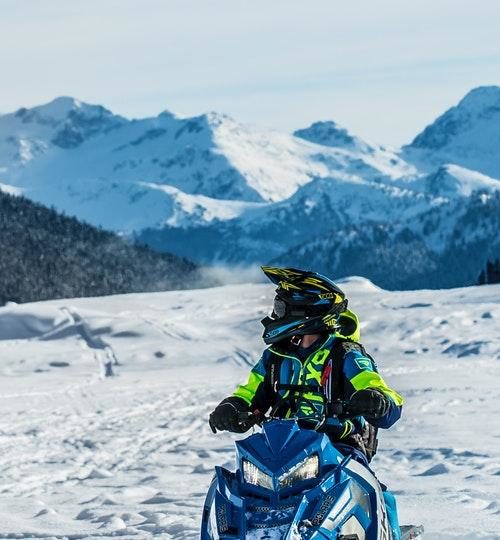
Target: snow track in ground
x,y
107,447
131,456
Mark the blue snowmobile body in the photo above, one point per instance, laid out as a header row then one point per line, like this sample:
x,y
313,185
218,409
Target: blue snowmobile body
x,y
293,483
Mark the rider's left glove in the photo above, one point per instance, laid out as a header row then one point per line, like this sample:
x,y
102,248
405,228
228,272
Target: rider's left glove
x,y
227,416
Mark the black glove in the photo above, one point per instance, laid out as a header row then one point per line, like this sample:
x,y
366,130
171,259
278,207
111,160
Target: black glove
x,y
226,416
369,403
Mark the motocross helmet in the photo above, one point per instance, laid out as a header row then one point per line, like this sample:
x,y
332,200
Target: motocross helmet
x,y
305,303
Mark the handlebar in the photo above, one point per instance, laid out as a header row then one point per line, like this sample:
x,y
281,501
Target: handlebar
x,y
335,409
339,408
251,419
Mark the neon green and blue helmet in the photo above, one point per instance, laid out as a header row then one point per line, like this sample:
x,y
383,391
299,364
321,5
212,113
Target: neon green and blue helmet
x,y
305,303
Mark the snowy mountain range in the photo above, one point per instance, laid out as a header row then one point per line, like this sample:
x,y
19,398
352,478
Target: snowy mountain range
x,y
217,191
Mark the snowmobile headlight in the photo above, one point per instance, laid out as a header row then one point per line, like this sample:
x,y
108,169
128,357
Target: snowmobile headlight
x,y
305,470
253,475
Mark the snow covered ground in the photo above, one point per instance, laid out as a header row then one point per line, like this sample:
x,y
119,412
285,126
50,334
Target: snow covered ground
x,y
88,456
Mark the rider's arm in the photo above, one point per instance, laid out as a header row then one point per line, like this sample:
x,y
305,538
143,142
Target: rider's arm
x,y
361,373
255,392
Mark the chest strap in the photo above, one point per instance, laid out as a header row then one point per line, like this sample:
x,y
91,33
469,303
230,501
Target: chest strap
x,y
332,378
300,388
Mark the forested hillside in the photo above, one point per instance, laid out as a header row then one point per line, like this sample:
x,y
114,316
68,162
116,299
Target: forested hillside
x,y
45,255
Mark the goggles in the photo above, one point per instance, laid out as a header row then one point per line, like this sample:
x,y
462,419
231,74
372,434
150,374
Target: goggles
x,y
282,309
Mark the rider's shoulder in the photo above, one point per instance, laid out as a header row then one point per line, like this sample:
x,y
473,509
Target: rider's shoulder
x,y
349,346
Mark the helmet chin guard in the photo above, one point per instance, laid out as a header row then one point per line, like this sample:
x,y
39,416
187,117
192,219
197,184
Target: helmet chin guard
x,y
305,303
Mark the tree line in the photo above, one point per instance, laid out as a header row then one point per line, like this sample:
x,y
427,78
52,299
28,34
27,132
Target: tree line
x,y
46,255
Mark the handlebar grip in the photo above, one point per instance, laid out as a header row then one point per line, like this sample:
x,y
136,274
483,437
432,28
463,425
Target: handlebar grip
x,y
244,416
250,418
339,408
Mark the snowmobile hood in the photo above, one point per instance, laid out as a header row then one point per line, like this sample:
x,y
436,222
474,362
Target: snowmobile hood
x,y
282,444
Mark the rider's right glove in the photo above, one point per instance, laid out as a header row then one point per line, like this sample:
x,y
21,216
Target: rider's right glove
x,y
369,403
226,416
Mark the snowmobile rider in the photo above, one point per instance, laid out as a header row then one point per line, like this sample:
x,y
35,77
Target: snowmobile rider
x,y
314,359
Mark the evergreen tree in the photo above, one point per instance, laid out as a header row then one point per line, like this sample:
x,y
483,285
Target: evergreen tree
x,y
491,274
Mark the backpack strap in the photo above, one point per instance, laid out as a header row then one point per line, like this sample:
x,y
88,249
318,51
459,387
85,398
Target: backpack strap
x,y
334,370
274,371
367,441
341,346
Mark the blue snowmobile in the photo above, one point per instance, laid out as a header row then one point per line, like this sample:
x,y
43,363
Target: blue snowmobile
x,y
292,483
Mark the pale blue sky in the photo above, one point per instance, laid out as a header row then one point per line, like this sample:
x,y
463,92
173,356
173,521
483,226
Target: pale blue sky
x,y
382,68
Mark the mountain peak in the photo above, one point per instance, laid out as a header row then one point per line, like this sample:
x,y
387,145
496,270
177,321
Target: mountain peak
x,y
56,110
65,121
481,98
466,134
166,114
61,105
216,119
476,114
329,133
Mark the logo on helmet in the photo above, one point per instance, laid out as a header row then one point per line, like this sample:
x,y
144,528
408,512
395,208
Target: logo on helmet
x,y
316,282
286,286
332,296
330,321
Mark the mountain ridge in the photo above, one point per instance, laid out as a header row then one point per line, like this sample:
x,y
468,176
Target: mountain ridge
x,y
219,191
